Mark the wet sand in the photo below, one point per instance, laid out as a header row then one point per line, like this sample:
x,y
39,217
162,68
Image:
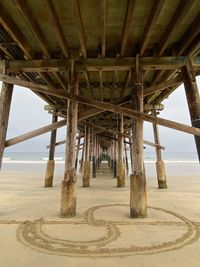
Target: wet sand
x,y
102,232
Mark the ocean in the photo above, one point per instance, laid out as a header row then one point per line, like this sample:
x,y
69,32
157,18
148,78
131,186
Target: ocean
x,y
42,157
177,164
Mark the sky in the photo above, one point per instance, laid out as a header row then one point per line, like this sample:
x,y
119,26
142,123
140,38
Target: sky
x,y
27,113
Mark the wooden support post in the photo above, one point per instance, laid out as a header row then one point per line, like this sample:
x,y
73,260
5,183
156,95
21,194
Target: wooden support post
x,y
5,102
68,187
138,201
126,156
77,152
51,163
160,165
131,150
120,164
82,156
94,167
193,99
115,160
86,162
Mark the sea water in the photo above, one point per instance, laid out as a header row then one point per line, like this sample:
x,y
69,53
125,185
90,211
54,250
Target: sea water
x,y
177,164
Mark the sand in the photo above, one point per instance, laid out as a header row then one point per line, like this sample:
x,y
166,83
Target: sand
x,y
101,234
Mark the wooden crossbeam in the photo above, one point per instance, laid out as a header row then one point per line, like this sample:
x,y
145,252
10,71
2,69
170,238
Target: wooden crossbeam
x,y
31,134
163,85
105,106
92,64
114,132
96,64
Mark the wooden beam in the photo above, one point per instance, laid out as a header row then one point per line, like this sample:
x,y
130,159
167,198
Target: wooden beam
x,y
5,102
57,28
163,85
138,198
103,105
68,186
126,26
103,28
193,99
15,32
160,165
79,23
189,35
114,132
96,64
153,17
128,75
31,134
33,25
51,163
179,14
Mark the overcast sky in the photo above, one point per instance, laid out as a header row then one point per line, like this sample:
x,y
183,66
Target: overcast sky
x,y
27,113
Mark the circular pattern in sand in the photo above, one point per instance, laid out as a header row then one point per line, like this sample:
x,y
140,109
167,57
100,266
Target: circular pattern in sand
x,y
116,239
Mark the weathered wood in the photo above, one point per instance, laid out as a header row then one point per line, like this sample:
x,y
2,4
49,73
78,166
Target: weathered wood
x,y
57,28
86,162
138,200
79,23
77,152
193,99
5,102
163,85
104,105
103,28
94,167
160,165
51,163
31,134
126,155
68,186
120,163
154,14
95,64
179,14
126,26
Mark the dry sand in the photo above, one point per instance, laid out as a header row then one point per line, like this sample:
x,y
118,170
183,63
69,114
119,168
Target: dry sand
x,y
102,234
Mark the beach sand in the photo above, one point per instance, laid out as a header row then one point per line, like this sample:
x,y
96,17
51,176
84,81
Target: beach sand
x,y
101,234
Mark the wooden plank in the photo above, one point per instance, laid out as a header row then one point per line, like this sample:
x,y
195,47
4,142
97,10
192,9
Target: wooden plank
x,y
34,133
5,103
33,25
103,28
189,35
79,23
153,17
103,105
126,26
15,32
57,28
179,14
